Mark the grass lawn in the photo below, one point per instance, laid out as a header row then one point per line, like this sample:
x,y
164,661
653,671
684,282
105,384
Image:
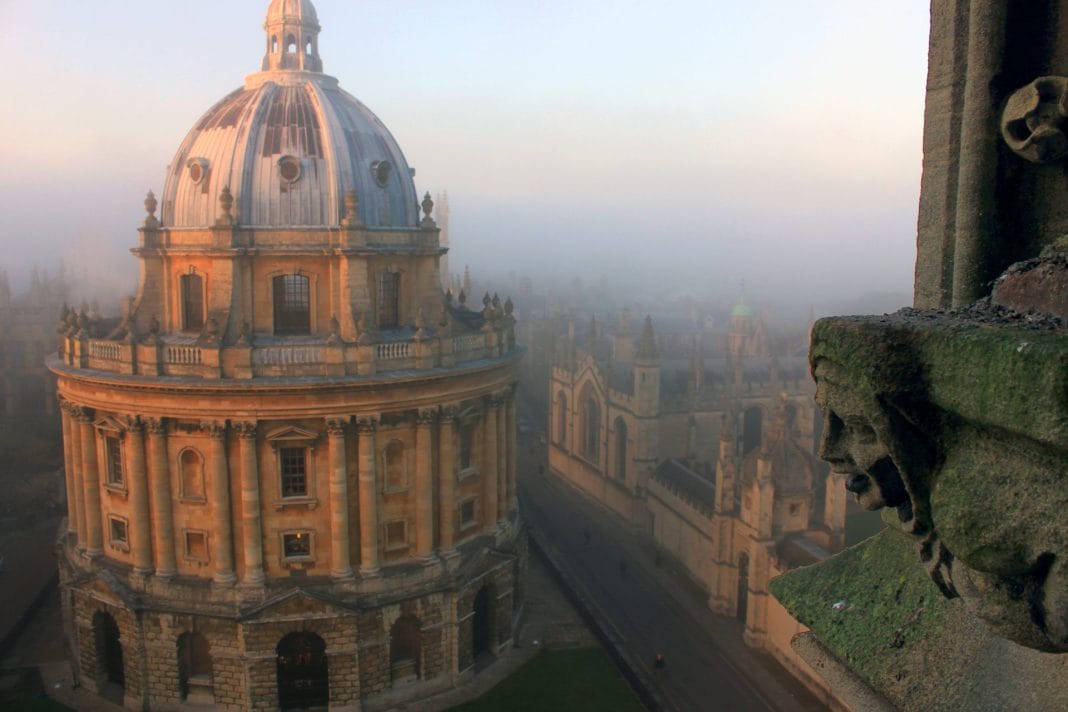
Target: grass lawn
x,y
583,680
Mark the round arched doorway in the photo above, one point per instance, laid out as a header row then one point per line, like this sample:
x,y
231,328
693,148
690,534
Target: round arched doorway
x,y
303,677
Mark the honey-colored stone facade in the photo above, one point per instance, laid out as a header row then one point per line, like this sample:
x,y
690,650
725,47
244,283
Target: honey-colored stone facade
x,y
291,462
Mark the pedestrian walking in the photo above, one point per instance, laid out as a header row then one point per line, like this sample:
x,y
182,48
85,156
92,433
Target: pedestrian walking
x,y
658,666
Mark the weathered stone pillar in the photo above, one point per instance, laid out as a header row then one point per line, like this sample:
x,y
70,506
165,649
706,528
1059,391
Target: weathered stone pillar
x,y
78,475
252,529
94,540
141,531
447,480
159,479
368,497
424,485
502,459
340,558
510,439
489,464
68,467
220,501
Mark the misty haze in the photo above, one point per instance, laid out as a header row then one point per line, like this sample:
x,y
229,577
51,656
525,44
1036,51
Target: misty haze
x,y
469,356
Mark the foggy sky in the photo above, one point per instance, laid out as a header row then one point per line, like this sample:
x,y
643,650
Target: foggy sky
x,y
693,144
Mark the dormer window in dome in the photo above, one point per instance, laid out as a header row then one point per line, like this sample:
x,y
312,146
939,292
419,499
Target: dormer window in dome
x,y
380,171
289,168
198,170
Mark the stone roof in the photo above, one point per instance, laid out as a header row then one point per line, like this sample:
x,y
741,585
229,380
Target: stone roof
x,y
677,476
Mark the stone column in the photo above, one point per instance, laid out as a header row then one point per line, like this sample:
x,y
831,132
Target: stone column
x,y
252,529
94,540
141,531
447,480
220,501
424,485
340,558
368,496
510,439
502,459
68,468
489,464
159,484
77,475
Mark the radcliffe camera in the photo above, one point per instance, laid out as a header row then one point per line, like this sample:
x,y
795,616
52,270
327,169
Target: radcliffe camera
x,y
563,357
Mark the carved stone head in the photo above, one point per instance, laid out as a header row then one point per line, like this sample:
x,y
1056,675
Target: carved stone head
x,y
908,417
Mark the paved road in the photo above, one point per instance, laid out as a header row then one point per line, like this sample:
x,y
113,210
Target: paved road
x,y
648,609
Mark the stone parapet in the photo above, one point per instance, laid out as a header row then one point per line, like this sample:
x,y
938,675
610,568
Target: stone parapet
x,y
280,356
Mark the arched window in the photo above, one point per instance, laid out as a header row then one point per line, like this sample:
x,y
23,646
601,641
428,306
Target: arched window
x,y
621,449
389,300
561,419
303,675
191,474
482,623
108,648
292,304
752,423
194,668
291,44
591,427
308,47
274,44
396,466
405,644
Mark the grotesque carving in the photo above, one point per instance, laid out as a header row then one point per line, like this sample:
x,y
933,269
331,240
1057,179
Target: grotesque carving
x,y
913,424
1035,118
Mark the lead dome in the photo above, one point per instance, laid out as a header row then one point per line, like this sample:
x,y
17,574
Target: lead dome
x,y
289,145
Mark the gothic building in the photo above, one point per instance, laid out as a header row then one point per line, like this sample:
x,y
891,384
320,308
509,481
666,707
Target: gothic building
x,y
27,334
632,429
291,461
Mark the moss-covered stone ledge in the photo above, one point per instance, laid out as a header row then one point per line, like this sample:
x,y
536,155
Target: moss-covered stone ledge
x,y
957,422
883,618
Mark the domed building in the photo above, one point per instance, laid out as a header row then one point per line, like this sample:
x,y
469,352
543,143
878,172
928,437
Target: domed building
x,y
291,462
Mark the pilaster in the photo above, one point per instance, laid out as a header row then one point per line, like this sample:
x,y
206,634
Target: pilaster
x,y
340,559
489,463
159,478
91,475
424,485
368,496
447,480
141,531
220,499
251,517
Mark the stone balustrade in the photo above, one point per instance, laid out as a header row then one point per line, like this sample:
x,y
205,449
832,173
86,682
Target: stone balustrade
x,y
279,357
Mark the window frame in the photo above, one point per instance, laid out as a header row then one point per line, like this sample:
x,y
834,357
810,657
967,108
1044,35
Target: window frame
x,y
119,543
300,558
183,494
187,554
473,522
395,547
388,291
185,291
287,319
291,437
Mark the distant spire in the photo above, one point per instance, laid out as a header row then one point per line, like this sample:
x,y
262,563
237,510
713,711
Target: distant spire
x,y
647,346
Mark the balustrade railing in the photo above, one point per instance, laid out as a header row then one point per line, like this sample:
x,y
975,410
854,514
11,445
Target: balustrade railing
x,y
182,355
108,350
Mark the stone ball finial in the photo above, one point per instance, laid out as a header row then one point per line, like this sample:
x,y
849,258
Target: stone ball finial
x,y
1034,122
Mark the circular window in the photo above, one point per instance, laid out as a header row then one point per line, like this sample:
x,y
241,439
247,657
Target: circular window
x,y
381,170
289,168
198,168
